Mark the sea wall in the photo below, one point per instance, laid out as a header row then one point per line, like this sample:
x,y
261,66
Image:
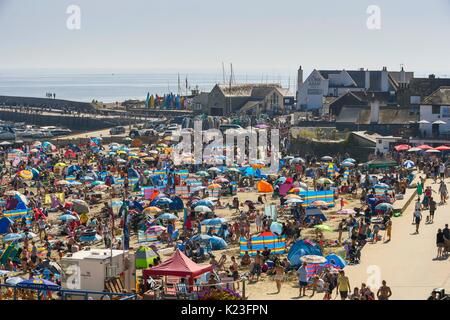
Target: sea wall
x,y
47,103
75,123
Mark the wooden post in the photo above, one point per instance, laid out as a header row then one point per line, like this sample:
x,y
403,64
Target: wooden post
x,y
243,289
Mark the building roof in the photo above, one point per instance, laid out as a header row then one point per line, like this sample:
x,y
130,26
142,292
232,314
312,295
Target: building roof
x,y
249,105
440,96
424,87
247,90
387,115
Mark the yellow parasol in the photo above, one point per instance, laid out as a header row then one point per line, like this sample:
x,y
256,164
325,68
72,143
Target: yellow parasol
x,y
26,174
214,186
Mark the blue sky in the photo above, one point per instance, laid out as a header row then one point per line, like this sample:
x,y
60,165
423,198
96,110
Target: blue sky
x,y
253,34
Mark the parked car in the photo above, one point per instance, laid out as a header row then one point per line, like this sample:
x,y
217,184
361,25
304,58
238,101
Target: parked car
x,y
117,130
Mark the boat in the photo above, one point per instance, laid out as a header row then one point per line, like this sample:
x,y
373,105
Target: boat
x,y
7,133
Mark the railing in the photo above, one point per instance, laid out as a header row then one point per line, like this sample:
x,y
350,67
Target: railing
x,y
66,294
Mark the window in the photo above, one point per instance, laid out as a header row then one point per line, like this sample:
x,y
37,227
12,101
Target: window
x,y
436,109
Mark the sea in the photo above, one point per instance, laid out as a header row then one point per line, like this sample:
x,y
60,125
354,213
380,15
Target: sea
x,y
110,86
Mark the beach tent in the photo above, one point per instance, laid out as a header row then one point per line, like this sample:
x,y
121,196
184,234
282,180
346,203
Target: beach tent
x,y
5,224
177,204
302,248
264,186
179,265
217,243
144,257
312,213
336,261
277,245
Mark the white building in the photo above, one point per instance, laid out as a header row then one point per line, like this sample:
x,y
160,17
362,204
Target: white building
x,y
88,270
333,83
435,109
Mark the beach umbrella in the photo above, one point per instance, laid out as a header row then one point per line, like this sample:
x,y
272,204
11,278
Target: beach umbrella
x,y
161,195
439,122
276,228
214,169
195,189
39,284
221,180
212,222
326,158
298,160
163,201
432,151
346,211
336,261
5,143
442,148
233,170
26,174
149,210
153,152
296,190
424,147
87,178
294,201
14,281
303,185
349,160
12,237
324,181
100,187
60,165
288,158
29,235
293,196
214,186
68,217
402,147
156,229
167,216
381,186
423,122
202,174
415,149
408,164
347,164
213,199
62,183
313,259
204,202
319,203
97,183
202,209
323,227
384,206
80,206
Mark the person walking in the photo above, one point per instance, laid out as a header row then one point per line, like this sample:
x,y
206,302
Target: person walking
x,y
417,219
440,243
302,280
343,285
443,191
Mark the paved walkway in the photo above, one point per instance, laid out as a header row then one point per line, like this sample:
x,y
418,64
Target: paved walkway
x,y
408,262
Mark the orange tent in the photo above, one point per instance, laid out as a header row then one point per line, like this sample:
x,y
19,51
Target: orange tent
x,y
264,186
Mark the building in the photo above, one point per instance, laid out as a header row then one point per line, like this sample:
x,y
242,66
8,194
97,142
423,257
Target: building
x,y
320,84
382,119
250,99
435,114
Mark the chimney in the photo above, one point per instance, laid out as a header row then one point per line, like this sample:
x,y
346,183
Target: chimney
x,y
374,109
402,76
299,82
367,82
384,80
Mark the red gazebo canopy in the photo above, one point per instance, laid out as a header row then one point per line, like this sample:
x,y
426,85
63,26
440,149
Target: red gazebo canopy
x,y
425,147
443,148
179,265
402,147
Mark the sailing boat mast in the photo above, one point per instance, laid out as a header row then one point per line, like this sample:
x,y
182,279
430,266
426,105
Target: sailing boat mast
x,y
223,74
179,85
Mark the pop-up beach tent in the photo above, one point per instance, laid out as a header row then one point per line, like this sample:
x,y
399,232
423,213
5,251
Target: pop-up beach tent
x,y
277,245
302,248
264,186
145,257
179,265
5,223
